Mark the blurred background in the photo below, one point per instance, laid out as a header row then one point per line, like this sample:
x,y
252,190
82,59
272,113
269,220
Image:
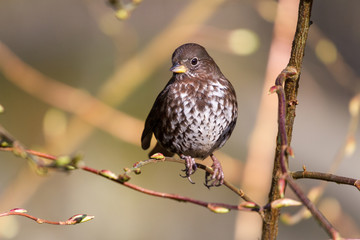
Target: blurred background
x,y
81,77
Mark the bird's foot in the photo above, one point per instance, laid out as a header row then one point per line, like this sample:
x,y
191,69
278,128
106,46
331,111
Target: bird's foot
x,y
217,178
190,167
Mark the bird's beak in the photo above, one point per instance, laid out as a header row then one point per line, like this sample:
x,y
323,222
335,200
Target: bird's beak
x,y
178,68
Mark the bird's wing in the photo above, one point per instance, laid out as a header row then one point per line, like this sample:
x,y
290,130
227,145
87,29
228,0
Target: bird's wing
x,y
148,129
153,117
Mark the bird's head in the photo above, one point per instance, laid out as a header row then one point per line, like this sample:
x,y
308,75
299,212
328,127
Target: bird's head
x,y
192,60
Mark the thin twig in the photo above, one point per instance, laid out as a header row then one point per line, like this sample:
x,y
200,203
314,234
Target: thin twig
x,y
346,150
238,191
78,218
215,207
123,179
326,177
287,74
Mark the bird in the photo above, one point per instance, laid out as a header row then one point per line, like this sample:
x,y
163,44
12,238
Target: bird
x,y
194,114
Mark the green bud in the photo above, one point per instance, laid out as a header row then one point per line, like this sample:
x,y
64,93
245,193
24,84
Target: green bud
x,y
123,178
248,205
108,174
79,218
62,161
285,202
158,156
218,209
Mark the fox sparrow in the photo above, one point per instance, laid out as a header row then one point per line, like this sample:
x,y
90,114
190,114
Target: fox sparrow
x,y
195,113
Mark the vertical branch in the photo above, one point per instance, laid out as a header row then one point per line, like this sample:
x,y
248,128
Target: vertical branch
x,y
297,55
288,96
286,114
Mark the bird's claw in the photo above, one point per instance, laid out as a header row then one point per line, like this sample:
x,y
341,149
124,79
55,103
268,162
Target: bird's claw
x,y
190,167
215,179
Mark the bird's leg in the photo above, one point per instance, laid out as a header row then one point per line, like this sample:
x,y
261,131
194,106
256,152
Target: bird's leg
x,y
217,178
190,167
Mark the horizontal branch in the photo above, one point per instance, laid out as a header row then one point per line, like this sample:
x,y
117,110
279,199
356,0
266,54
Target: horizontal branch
x,y
326,177
239,192
67,163
78,218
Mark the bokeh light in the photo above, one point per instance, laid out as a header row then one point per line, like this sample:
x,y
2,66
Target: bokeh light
x,y
267,10
55,123
243,41
326,51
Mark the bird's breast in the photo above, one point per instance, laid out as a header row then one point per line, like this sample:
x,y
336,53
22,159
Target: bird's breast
x,y
196,116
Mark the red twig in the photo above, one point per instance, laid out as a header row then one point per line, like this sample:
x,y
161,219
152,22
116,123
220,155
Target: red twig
x,y
123,179
239,192
79,218
327,177
289,73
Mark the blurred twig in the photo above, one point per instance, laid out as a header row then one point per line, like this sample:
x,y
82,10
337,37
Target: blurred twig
x,y
8,141
136,70
260,151
341,71
69,99
348,146
346,150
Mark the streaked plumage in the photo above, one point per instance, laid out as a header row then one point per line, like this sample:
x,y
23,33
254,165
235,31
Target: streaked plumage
x,y
195,113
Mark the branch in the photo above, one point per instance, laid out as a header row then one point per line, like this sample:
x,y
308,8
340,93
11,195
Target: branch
x,y
239,192
78,218
8,141
326,177
215,207
287,95
10,144
67,163
290,73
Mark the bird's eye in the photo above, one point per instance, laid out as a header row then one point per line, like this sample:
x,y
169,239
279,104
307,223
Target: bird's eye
x,y
194,61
